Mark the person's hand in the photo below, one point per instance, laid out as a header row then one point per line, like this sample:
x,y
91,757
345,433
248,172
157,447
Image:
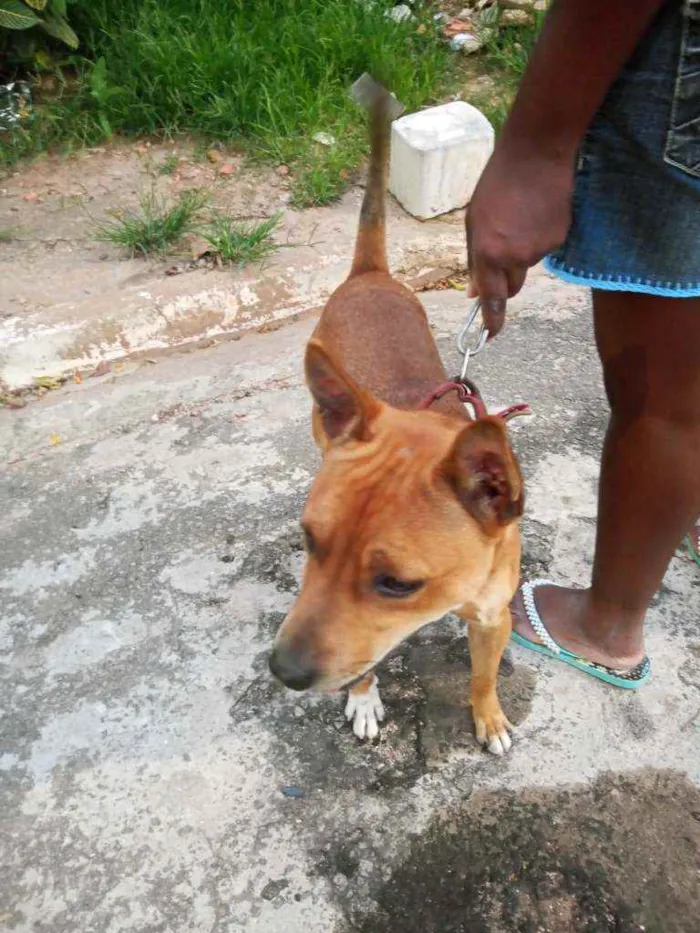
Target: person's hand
x,y
520,211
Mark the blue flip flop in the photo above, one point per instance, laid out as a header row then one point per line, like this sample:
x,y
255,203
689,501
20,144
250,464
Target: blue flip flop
x,y
692,542
630,679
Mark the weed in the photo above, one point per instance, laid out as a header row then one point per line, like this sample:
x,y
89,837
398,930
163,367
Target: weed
x,y
157,226
168,165
240,242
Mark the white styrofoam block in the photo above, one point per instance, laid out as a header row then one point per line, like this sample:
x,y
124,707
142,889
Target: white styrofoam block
x,y
437,156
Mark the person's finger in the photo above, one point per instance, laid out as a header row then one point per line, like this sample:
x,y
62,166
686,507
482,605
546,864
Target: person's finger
x,y
493,313
516,279
491,285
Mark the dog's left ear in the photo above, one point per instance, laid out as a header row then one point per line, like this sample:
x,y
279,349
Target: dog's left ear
x,y
485,475
345,409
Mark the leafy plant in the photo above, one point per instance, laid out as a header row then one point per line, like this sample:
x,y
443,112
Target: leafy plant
x,y
24,14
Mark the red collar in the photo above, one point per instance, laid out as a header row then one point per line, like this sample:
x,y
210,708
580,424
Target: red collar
x,y
470,395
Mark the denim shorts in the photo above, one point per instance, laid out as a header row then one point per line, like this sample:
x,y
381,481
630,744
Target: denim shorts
x,y
636,206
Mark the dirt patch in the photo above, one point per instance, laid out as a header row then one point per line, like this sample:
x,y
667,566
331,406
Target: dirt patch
x,y
620,856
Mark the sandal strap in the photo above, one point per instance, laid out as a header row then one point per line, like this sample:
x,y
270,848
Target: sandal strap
x,y
533,615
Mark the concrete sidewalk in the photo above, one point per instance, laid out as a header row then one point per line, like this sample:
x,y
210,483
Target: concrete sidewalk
x,y
151,550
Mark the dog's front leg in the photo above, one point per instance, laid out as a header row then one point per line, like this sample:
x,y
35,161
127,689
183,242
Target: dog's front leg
x,y
364,708
487,642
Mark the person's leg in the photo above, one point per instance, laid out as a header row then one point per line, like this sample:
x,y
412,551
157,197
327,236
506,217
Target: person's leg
x,y
649,485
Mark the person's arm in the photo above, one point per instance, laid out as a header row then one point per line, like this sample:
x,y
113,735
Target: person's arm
x,y
521,208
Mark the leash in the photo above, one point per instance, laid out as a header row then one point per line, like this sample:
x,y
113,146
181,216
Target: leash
x,y
465,388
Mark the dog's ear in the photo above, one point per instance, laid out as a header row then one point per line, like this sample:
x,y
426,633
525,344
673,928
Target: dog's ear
x,y
485,475
345,409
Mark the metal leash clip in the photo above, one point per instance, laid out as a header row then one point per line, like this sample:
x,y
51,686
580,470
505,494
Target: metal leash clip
x,y
469,351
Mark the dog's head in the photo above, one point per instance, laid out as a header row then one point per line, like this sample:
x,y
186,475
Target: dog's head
x,y
401,527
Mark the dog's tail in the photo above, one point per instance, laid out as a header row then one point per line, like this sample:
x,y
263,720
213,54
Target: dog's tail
x,y
370,247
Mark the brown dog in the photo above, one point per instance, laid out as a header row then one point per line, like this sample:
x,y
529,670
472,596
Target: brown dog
x,y
414,514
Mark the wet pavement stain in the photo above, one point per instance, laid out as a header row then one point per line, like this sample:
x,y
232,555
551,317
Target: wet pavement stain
x,y
620,856
424,687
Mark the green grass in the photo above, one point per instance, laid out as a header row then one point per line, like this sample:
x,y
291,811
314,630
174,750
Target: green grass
x,y
168,165
156,227
506,54
268,73
508,48
240,242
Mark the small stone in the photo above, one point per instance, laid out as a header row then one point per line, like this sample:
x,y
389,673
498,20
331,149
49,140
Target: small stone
x,y
273,888
515,18
465,13
214,155
32,196
227,169
325,139
340,881
298,712
292,791
400,13
466,42
283,171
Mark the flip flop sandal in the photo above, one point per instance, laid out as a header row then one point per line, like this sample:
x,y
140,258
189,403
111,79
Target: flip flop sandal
x,y
692,542
630,679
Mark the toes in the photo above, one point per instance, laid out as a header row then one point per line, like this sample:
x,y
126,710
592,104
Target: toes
x,y
371,726
500,743
494,736
365,711
495,746
359,725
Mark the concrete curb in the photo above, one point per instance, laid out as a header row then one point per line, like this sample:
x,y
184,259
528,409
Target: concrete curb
x,y
163,313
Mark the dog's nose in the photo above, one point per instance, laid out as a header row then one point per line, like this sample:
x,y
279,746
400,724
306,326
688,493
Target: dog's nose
x,y
294,670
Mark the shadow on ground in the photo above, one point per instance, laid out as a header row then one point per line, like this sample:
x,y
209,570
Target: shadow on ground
x,y
619,857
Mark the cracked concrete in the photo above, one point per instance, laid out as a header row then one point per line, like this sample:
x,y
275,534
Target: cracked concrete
x,y
154,778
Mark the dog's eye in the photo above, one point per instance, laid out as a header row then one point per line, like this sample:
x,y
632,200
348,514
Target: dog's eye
x,y
309,542
387,585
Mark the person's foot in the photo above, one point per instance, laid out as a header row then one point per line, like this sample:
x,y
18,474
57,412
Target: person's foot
x,y
613,639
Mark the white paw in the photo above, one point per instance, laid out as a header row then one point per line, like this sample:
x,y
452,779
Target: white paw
x,y
366,712
495,735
